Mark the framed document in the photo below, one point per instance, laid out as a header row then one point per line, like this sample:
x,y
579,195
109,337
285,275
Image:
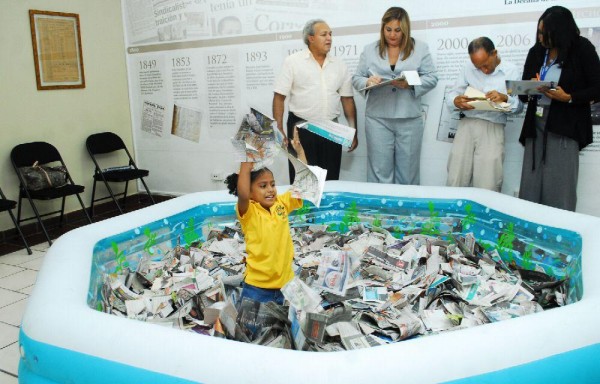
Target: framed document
x,y
56,50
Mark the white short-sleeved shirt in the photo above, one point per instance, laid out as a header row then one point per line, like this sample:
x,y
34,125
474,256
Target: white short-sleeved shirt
x,y
313,91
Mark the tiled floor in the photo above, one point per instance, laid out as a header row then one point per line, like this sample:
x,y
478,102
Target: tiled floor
x,y
18,272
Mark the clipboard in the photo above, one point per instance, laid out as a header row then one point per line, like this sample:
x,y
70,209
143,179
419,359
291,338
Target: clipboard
x,y
527,87
411,77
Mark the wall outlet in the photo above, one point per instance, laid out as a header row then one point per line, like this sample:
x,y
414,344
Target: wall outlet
x,y
217,176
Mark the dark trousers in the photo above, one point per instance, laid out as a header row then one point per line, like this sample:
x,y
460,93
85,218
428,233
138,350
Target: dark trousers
x,y
319,151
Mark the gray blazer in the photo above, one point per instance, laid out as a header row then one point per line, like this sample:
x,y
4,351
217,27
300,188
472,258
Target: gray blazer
x,y
389,101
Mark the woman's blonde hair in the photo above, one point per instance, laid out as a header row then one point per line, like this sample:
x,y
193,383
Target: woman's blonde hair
x,y
407,44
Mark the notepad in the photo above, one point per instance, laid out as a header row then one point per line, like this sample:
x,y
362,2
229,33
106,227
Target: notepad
x,y
411,77
527,87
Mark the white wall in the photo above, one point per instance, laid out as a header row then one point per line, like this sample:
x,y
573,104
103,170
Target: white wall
x,y
63,118
270,30
66,117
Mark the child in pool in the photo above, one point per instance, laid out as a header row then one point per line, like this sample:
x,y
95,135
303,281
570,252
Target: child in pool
x,y
263,215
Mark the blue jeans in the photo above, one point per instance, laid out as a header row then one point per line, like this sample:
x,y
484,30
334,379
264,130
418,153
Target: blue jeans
x,y
262,295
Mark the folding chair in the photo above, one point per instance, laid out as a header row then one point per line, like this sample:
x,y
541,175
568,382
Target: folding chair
x,y
106,143
25,155
8,205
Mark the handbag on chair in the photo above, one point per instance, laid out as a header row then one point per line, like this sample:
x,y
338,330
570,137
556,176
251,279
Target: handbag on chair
x,y
38,177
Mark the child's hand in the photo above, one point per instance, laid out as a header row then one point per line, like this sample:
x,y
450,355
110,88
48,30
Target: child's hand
x,y
244,165
297,145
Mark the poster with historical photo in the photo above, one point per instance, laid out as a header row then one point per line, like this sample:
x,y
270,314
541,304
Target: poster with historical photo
x,y
186,123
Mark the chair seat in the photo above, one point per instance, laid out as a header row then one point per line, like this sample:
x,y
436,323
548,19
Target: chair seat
x,y
54,193
105,143
5,204
120,175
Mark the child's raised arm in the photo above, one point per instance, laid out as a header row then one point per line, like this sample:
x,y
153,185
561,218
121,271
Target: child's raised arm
x,y
243,187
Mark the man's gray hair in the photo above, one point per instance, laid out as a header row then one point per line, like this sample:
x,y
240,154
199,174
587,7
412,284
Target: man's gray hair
x,y
309,29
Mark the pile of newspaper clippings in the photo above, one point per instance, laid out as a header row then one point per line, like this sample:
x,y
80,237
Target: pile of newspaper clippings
x,y
354,289
355,286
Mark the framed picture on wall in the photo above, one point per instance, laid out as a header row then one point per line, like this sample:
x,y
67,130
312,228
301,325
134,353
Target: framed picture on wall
x,y
56,50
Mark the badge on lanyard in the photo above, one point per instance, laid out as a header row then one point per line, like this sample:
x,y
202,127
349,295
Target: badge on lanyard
x,y
539,111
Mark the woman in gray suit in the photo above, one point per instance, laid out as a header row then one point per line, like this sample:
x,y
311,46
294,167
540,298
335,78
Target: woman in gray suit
x,y
394,117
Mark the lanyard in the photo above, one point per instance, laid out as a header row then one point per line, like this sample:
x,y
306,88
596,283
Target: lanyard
x,y
545,68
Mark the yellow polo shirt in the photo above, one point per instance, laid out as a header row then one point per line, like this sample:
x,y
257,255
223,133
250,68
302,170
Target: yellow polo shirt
x,y
268,242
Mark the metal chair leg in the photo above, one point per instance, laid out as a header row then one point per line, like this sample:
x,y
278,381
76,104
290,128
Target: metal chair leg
x,y
39,219
91,214
147,190
12,216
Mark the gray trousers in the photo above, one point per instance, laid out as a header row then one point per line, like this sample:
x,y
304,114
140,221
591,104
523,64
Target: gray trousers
x,y
477,155
553,182
394,150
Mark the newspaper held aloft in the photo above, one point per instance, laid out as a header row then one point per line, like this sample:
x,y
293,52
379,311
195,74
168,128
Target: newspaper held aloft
x,y
258,140
309,181
330,130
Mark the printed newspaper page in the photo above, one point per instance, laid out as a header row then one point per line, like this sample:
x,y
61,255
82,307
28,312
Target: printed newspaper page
x,y
258,140
186,123
309,181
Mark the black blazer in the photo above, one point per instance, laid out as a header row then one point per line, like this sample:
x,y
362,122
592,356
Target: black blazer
x,y
580,77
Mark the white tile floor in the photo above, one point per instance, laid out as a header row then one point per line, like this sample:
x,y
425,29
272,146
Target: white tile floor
x,y
18,272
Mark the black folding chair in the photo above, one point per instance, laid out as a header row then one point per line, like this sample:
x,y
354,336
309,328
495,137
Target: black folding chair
x,y
104,143
8,205
25,155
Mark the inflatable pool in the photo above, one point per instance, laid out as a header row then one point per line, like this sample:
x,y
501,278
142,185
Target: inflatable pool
x,y
65,339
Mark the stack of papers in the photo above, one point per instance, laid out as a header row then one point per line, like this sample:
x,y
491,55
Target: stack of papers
x,y
481,103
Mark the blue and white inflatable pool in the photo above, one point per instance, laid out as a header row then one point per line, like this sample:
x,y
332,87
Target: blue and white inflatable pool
x,y
65,339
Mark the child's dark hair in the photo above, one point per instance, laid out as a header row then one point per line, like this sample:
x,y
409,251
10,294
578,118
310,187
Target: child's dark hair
x,y
232,180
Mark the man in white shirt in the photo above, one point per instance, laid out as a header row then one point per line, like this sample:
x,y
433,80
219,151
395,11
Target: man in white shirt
x,y
315,83
477,154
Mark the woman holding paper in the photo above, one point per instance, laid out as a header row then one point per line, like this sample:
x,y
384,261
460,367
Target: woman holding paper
x,y
393,73
558,124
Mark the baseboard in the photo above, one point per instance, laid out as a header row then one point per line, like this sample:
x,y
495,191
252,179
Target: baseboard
x,y
34,234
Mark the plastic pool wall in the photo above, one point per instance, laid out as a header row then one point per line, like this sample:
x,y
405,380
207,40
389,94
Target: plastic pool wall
x,y
528,235
526,244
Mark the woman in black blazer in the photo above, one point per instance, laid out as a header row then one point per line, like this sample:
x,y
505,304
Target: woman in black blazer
x,y
558,124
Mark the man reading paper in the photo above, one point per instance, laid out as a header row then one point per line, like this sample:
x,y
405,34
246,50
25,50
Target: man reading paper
x,y
315,83
477,153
